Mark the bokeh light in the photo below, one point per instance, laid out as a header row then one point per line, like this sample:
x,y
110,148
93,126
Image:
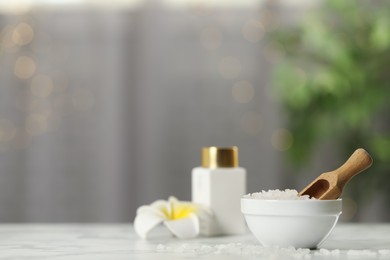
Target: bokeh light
x,y
229,67
282,139
24,67
253,31
269,20
6,42
23,34
243,91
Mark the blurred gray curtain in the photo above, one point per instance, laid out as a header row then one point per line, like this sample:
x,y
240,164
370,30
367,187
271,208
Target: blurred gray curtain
x,y
103,110
66,115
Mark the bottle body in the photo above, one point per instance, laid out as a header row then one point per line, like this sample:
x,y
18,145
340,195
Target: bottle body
x,y
220,189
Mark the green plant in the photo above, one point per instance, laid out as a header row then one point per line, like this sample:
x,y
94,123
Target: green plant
x,y
334,84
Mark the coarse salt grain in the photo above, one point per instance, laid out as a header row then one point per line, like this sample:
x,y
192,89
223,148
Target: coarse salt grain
x,y
326,252
160,247
322,252
286,194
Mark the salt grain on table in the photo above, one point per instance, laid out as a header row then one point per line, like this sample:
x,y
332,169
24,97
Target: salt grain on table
x,y
269,252
237,249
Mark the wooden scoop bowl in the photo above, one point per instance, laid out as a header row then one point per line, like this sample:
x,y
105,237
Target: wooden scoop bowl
x,y
329,185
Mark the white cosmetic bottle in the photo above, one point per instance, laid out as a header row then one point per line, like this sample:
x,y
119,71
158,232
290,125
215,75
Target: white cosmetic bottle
x,y
219,183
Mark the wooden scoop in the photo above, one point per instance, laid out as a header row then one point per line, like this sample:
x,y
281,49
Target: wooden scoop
x,y
329,185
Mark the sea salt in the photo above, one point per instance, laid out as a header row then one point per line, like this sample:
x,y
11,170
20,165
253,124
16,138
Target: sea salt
x,y
360,253
286,194
266,252
384,252
326,252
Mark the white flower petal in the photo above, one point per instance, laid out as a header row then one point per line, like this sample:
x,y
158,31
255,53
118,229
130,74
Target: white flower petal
x,y
146,221
185,227
150,209
172,202
159,204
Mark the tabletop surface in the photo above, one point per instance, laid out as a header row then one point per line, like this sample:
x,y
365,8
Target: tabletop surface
x,y
119,241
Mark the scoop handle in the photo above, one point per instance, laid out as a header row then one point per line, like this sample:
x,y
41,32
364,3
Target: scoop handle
x,y
356,163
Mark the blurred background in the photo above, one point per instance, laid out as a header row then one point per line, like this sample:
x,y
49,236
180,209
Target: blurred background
x,y
105,105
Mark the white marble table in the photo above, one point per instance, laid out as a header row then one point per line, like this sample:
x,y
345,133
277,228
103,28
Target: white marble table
x,y
118,241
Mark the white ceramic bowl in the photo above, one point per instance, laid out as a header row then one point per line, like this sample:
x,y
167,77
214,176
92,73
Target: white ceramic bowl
x,y
297,223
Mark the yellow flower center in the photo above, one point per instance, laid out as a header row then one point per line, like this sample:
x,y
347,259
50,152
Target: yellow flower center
x,y
178,210
181,211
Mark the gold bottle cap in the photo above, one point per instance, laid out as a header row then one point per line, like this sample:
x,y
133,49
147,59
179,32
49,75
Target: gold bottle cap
x,y
219,157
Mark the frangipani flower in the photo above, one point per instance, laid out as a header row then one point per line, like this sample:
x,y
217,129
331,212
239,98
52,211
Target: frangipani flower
x,y
182,218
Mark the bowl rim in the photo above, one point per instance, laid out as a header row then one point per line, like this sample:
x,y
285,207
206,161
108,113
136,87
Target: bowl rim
x,y
252,206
